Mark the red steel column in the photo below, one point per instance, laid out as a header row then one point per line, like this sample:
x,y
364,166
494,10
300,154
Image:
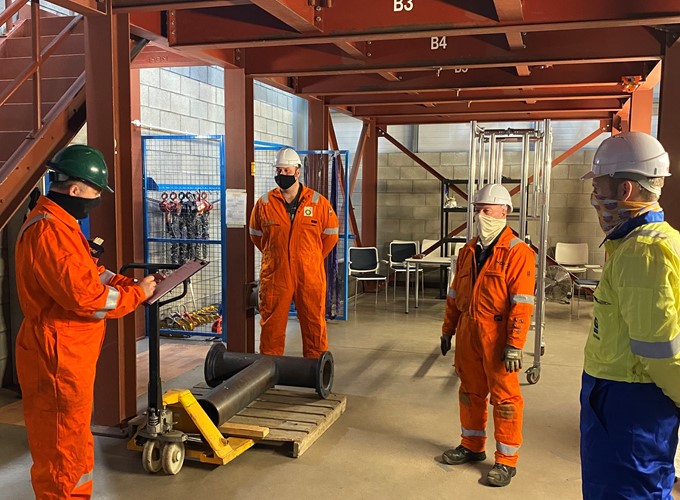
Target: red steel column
x,y
641,111
240,269
118,220
317,124
369,187
669,129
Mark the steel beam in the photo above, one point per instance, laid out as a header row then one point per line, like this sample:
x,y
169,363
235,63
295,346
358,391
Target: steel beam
x,y
605,91
486,107
333,143
558,77
369,187
297,14
317,124
153,56
118,220
122,6
641,110
669,128
84,7
240,153
245,26
492,117
465,54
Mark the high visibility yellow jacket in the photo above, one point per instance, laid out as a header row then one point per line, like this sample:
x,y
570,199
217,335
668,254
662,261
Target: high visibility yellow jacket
x,y
635,335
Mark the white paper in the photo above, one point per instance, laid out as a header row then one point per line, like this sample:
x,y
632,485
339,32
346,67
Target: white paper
x,y
236,208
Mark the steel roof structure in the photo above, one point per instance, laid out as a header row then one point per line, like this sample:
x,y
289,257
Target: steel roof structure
x,y
429,61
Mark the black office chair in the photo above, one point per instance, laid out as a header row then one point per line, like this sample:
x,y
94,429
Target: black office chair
x,y
399,252
364,265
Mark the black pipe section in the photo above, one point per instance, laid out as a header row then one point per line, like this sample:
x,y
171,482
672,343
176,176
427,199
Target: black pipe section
x,y
298,372
238,391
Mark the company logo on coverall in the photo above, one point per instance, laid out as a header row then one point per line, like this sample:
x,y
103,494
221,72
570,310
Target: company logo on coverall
x,y
308,212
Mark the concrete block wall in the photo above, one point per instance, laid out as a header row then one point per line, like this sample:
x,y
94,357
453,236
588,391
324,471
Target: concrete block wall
x,y
191,100
409,199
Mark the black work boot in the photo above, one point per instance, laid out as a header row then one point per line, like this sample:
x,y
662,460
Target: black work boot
x,y
500,474
461,455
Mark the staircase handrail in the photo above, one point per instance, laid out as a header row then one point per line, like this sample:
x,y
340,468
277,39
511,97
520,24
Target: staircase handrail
x,y
8,12
39,57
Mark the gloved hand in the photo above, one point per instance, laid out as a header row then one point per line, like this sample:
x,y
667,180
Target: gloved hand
x,y
513,359
445,344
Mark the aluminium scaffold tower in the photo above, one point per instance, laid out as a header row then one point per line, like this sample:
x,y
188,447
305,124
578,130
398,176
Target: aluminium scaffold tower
x,y
487,166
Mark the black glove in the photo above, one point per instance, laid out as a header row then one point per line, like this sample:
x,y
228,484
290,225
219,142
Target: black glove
x,y
445,344
513,359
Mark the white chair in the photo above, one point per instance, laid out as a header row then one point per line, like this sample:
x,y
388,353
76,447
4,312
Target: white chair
x,y
364,265
573,257
398,253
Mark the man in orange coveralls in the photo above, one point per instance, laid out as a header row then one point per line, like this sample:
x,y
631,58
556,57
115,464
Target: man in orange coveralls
x,y
65,298
489,306
295,228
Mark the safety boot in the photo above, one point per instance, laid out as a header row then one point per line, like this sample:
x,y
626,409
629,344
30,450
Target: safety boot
x,y
461,455
500,474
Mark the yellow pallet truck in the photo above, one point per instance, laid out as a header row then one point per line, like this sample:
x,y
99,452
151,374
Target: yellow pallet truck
x,y
175,425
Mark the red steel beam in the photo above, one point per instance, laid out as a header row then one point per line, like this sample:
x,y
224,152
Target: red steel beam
x,y
333,142
84,7
492,117
121,6
669,128
557,77
240,265
243,26
605,126
361,146
369,187
153,56
467,53
297,14
487,107
608,91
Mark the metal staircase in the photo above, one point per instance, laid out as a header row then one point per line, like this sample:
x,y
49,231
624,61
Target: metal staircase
x,y
42,96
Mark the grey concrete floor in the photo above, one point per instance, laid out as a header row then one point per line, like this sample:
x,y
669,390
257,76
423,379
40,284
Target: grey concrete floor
x,y
402,412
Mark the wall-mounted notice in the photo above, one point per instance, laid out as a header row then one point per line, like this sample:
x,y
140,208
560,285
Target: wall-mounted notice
x,y
236,208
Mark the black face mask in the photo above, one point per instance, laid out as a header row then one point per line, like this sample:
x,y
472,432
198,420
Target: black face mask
x,y
284,181
79,208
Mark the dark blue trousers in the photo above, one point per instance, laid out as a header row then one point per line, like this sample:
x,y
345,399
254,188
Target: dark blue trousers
x,y
629,433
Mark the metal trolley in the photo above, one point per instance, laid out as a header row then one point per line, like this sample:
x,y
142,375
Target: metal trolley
x,y
487,147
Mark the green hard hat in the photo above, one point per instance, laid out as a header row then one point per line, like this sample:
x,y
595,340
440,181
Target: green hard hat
x,y
84,163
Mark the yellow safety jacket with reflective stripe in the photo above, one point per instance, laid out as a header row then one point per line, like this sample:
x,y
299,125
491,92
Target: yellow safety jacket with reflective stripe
x,y
635,335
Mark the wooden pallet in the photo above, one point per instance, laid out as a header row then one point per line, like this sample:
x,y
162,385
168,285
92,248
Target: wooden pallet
x,y
295,417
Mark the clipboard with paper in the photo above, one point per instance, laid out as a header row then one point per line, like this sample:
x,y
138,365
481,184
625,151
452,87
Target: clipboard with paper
x,y
175,278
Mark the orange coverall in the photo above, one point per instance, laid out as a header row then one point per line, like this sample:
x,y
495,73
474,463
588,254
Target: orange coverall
x,y
293,268
487,311
65,298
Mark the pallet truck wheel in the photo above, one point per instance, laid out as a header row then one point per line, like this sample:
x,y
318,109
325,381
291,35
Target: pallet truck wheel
x,y
173,458
151,456
533,375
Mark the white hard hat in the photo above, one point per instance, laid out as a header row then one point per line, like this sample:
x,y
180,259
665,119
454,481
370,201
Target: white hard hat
x,y
494,194
630,155
287,157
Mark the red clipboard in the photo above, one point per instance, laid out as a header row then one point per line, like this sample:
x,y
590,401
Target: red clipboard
x,y
173,279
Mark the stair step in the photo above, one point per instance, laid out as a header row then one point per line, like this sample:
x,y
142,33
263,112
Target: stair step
x,y
22,46
51,89
56,66
18,117
53,25
9,142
